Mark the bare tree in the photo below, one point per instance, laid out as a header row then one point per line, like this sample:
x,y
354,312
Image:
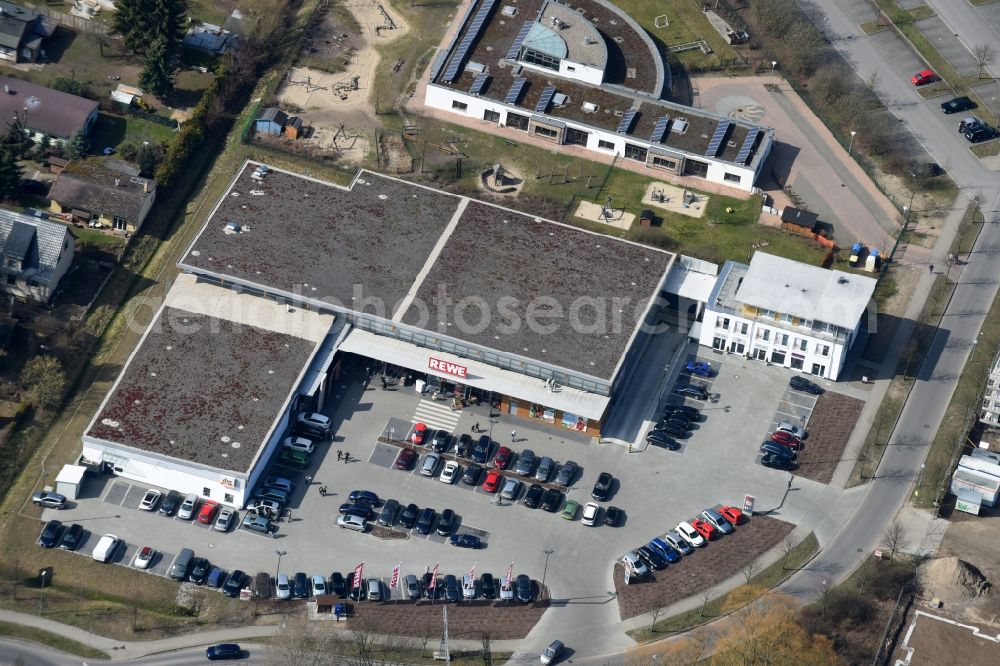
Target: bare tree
x,y
893,538
654,615
487,651
787,546
705,596
872,80
985,55
749,571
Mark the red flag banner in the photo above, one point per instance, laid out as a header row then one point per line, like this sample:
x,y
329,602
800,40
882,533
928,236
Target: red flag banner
x,y
394,583
472,575
359,574
510,574
434,577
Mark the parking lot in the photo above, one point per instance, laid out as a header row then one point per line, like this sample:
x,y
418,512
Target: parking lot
x,y
655,488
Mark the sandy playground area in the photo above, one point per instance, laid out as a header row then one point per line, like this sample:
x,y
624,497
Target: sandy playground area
x,y
675,199
592,211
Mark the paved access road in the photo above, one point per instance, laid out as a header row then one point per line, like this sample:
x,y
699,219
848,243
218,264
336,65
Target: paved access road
x,y
33,654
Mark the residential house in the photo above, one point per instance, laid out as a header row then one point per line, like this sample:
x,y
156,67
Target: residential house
x,y
787,313
272,120
22,32
36,255
90,193
44,111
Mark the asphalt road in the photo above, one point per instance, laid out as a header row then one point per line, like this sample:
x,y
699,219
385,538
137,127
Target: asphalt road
x,y
21,653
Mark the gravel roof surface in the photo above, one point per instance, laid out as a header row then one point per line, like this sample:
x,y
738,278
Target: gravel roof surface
x,y
196,380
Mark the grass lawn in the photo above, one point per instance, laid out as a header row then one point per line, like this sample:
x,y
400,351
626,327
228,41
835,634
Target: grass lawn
x,y
55,641
115,130
768,578
986,149
96,238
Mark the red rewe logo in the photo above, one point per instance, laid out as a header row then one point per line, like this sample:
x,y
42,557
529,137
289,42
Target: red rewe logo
x,y
453,369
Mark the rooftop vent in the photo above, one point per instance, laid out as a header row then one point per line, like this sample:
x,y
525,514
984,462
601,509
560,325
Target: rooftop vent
x,y
589,107
509,11
679,126
559,99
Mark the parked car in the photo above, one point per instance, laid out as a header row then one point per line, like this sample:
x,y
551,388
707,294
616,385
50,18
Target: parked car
x,y
170,503
466,541
373,589
144,557
206,515
364,497
50,534
150,500
450,472
502,458
295,459
315,422
552,500
464,446
678,418
223,651
525,592
200,568
731,514
510,489
591,511
446,523
226,519
803,384
545,468
356,509
472,474
791,429
452,589
105,548
266,507
786,439
567,473
387,516
488,586
216,577
968,123
426,582
613,516
468,587
602,487
651,558
481,451
923,77
255,522
682,545
981,133
356,523
406,459
775,461
717,520
409,515
699,368
426,521
506,592
430,465
338,584
957,104
673,429
570,510
419,434
282,587
692,413
412,587
690,534
492,482
552,653
234,583
72,537
440,441
691,391
525,462
703,528
280,483
632,562
533,496
186,510
273,494
778,450
318,585
665,549
660,438
298,444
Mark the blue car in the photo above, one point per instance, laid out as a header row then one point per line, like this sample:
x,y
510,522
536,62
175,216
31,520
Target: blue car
x,y
665,549
699,368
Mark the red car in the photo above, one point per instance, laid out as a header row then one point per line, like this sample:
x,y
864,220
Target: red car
x,y
419,432
405,459
924,77
492,481
786,439
732,514
206,514
503,458
703,528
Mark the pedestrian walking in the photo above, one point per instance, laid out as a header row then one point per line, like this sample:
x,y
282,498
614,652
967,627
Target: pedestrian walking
x,y
513,435
309,479
347,456
475,428
340,454
930,269
322,491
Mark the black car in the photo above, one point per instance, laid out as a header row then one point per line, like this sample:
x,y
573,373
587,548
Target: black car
x,y
660,438
691,391
602,488
777,462
72,537
567,473
552,500
464,447
236,582
673,429
653,559
426,521
691,412
981,133
613,516
300,586
223,651
441,441
524,592
481,451
472,474
958,104
533,497
779,450
446,523
488,586
358,509
50,534
199,570
676,417
170,502
364,497
408,518
338,585
803,384
387,516
452,590
425,584
465,541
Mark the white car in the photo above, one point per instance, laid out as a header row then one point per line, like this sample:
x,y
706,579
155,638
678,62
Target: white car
x,y
314,420
186,512
283,590
352,522
144,556
590,512
468,587
105,547
264,506
449,473
150,500
299,444
792,430
690,534
506,593
318,585
635,565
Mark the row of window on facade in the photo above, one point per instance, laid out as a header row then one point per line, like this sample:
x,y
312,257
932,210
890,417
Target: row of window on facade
x,y
764,334
814,325
796,359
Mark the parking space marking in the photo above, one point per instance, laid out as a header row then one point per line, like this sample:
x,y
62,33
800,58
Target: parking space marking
x,y
117,492
133,497
162,564
384,455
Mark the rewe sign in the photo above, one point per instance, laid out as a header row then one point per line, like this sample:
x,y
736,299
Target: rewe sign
x,y
453,369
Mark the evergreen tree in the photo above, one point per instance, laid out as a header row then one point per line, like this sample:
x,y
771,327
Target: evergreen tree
x,y
77,146
147,159
10,172
134,22
141,22
157,75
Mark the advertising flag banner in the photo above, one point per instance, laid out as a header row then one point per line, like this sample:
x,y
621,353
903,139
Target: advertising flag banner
x,y
394,582
359,574
472,575
508,576
434,577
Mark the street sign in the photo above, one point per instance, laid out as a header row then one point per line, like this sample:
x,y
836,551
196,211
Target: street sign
x,y
748,501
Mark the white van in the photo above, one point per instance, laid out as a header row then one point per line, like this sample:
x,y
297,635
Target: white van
x,y
105,547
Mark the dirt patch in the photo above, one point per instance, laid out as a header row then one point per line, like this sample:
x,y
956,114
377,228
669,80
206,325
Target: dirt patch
x,y
708,566
380,532
952,580
830,426
936,641
976,539
393,156
466,620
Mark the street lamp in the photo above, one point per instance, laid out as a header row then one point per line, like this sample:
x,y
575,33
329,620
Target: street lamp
x,y
545,569
850,146
920,473
41,599
493,422
906,216
774,63
279,553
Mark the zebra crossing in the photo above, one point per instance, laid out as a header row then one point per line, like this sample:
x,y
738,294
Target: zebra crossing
x,y
437,415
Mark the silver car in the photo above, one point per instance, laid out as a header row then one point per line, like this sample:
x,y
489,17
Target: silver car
x,y
412,586
680,544
791,429
430,465
227,516
716,520
545,468
511,487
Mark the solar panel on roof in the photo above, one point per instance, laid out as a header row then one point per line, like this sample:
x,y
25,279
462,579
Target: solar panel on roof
x,y
748,144
626,123
479,83
515,48
660,129
515,91
471,34
543,102
720,133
